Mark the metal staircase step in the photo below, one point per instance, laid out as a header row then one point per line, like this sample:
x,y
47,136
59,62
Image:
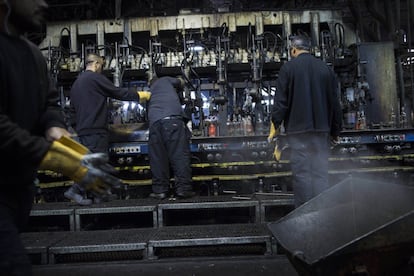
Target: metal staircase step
x,y
234,239
149,243
101,245
37,244
145,213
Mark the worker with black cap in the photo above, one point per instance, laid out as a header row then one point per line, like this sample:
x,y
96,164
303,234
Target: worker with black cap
x,y
169,138
306,102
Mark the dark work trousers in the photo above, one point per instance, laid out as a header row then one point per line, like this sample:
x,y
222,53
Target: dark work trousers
x,y
15,206
98,142
309,165
95,142
169,145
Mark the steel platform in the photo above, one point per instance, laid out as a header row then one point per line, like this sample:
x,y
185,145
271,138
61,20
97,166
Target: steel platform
x,y
207,203
149,243
100,245
129,207
151,213
186,240
274,206
37,244
60,211
110,232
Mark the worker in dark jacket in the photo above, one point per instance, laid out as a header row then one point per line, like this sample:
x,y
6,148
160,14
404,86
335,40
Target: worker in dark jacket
x,y
169,139
307,103
88,96
32,131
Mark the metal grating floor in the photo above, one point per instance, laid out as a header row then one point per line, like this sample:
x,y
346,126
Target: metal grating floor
x,y
37,244
101,245
209,231
231,237
208,240
158,213
135,244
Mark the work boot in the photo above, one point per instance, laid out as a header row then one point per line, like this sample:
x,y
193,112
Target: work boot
x,y
160,196
185,194
76,196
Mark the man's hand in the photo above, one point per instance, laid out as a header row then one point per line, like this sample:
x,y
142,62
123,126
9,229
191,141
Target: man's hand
x,y
99,178
277,153
144,96
91,170
55,133
272,133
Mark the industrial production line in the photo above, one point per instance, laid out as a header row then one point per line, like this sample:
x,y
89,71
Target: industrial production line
x,y
250,162
230,62
230,84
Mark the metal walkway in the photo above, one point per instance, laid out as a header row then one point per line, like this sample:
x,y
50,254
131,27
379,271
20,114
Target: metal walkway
x,y
146,231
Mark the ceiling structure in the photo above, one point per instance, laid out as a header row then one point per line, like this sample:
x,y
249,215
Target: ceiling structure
x,y
374,20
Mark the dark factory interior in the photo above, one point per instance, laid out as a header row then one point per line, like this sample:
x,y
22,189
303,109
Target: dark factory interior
x,y
243,220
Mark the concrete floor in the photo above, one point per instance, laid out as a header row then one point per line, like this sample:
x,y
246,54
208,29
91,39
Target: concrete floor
x,y
229,266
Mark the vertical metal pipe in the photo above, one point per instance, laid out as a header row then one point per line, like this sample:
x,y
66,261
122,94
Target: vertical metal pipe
x,y
287,27
100,37
410,7
73,38
116,73
315,29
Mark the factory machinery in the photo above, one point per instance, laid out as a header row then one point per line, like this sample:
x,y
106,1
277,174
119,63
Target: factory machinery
x,y
230,62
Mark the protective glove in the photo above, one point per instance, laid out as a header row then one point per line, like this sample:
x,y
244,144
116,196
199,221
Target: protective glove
x,y
144,96
272,133
277,153
90,170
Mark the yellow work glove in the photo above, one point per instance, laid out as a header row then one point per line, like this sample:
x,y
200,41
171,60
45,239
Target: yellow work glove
x,y
90,170
277,153
272,133
144,96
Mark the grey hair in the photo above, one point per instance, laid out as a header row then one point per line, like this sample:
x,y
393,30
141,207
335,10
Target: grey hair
x,y
301,42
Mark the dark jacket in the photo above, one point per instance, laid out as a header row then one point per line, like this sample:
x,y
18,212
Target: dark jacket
x,y
306,97
164,99
28,106
88,96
